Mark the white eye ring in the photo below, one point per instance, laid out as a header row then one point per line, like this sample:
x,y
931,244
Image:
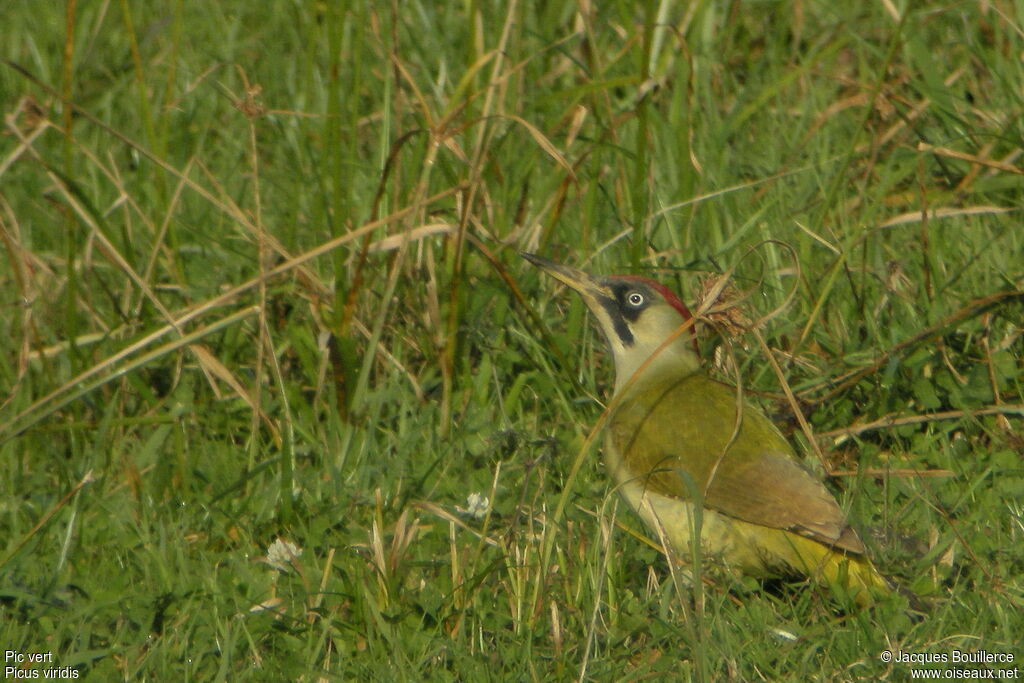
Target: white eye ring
x,y
635,299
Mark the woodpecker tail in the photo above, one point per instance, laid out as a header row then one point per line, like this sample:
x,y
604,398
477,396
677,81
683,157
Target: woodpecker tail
x,y
849,574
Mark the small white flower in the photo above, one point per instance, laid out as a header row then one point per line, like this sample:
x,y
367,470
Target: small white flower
x,y
281,553
477,505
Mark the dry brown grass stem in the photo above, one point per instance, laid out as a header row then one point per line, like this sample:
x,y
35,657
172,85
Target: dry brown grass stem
x,y
973,308
179,320
899,420
87,478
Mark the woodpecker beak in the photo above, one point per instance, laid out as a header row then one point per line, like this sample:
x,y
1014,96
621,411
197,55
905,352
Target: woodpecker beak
x,y
635,315
588,286
596,294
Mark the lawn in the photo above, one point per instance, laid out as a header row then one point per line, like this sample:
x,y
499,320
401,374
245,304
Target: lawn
x,y
281,401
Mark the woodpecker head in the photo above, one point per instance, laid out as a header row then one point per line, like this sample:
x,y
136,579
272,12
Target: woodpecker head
x,y
636,316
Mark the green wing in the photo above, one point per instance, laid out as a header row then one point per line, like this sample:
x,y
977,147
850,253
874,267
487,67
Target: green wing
x,y
666,428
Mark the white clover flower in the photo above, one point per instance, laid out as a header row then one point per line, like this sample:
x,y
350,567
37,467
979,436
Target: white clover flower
x,y
477,506
281,553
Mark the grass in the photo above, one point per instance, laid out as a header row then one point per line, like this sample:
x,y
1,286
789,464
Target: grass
x,y
261,281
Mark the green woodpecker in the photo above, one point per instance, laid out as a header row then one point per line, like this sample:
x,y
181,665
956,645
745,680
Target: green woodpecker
x,y
674,431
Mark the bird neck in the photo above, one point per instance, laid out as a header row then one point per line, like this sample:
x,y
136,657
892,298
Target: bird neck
x,y
675,361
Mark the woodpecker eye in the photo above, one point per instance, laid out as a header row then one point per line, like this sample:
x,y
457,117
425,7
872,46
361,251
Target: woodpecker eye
x,y
635,299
